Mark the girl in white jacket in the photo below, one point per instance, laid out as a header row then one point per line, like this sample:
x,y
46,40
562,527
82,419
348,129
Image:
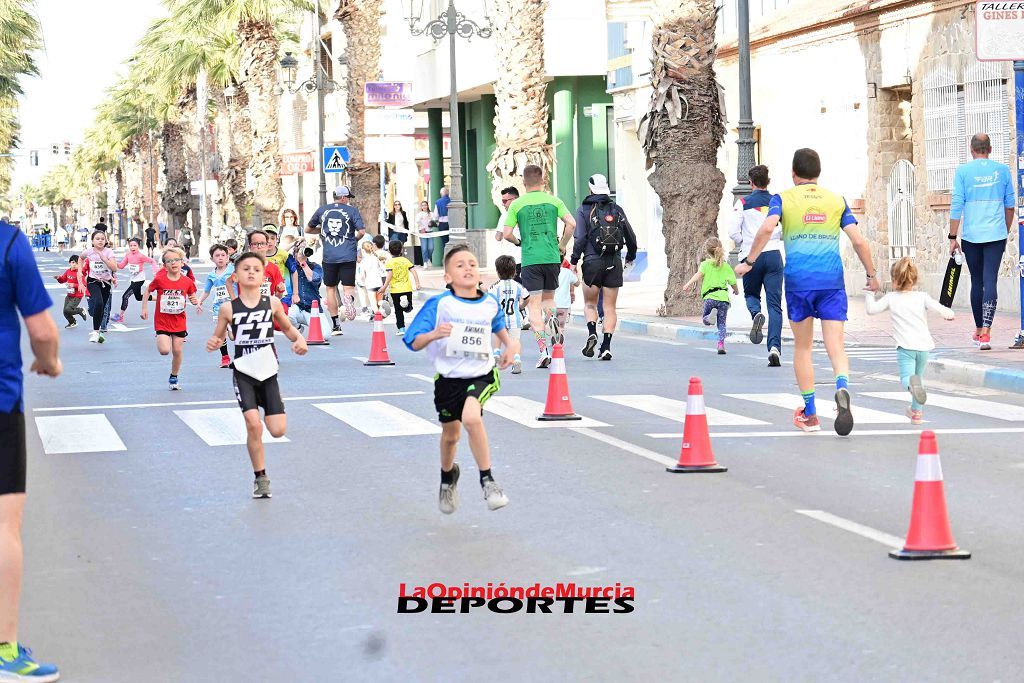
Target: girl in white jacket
x,y
910,328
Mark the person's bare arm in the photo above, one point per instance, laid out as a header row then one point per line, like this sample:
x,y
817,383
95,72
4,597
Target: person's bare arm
x,y
45,342
568,229
863,249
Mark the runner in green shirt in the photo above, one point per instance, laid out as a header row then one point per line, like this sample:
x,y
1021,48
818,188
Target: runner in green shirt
x,y
537,214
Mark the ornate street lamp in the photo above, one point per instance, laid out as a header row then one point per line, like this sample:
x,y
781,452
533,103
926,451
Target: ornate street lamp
x,y
451,23
320,83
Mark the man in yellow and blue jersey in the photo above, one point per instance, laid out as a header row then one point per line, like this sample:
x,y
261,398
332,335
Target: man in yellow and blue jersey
x,y
812,219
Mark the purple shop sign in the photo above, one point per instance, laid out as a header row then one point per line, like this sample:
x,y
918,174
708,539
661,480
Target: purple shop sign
x,y
388,94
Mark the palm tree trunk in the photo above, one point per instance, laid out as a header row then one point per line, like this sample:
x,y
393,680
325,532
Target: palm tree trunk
x,y
177,195
681,134
361,22
258,74
521,109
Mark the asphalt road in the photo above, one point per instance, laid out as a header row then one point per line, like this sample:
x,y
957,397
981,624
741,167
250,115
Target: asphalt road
x,y
148,561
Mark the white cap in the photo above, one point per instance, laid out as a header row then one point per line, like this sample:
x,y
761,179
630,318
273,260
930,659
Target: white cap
x,y
342,191
599,184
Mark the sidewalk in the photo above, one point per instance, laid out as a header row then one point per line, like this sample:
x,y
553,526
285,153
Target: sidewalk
x,y
956,358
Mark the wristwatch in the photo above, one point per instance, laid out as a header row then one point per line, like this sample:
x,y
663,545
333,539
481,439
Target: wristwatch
x,y
951,236
747,261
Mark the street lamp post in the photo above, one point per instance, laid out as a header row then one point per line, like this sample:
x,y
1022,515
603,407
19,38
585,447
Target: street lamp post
x,y
451,23
320,83
745,127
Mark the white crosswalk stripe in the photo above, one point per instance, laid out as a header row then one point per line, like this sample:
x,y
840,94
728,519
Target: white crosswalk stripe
x,y
377,419
673,409
791,402
220,426
525,412
972,406
90,433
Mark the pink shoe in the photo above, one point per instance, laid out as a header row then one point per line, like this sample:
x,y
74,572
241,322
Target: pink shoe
x,y
984,343
916,416
806,423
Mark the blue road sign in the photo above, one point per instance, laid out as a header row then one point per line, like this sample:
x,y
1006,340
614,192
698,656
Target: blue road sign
x,y
336,159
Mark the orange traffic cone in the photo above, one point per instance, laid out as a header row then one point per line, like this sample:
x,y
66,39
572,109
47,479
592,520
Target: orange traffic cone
x,y
696,455
379,343
559,406
315,334
929,537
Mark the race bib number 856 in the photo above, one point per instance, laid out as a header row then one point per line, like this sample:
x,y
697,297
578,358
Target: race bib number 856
x,y
469,341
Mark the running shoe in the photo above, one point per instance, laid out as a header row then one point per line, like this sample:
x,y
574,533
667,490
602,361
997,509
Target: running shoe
x,y
975,337
805,422
385,307
606,354
172,383
756,334
774,358
495,497
985,343
225,361
917,390
721,348
1018,343
350,307
73,323
517,367
25,668
336,330
545,361
117,318
100,338
711,318
400,332
94,337
552,329
844,417
448,496
82,313
588,350
916,416
261,487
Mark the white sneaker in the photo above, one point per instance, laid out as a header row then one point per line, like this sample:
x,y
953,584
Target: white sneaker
x,y
448,495
94,337
350,308
545,361
495,497
517,367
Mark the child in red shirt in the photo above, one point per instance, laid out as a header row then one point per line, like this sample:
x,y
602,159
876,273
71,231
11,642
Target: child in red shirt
x,y
73,299
171,289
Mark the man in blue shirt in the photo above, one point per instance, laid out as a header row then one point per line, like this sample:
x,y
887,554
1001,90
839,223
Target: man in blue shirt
x,y
983,204
21,291
441,207
341,226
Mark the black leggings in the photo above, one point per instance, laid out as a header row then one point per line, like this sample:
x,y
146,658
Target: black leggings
x,y
400,308
134,287
983,260
99,297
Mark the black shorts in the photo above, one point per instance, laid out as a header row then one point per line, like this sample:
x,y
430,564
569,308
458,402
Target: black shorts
x,y
602,271
150,244
253,395
340,273
180,335
450,393
12,452
542,277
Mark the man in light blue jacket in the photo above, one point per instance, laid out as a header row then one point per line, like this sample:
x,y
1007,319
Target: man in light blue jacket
x,y
983,204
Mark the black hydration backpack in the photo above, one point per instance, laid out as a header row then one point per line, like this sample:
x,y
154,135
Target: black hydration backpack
x,y
606,228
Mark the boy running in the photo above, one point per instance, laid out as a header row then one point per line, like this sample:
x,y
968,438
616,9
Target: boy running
x,y
251,318
218,283
399,269
812,219
171,288
455,328
73,299
511,295
537,214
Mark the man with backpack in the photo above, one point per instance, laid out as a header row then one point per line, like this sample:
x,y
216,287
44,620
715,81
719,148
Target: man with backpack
x,y
602,229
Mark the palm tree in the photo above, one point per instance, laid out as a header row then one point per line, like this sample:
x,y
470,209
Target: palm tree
x,y
681,134
20,38
361,21
255,23
521,109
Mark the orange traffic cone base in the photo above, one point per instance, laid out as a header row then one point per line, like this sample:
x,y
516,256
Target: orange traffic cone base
x,y
954,554
379,362
318,343
696,469
555,418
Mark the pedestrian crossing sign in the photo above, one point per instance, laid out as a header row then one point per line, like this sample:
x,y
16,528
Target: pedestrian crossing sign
x,y
336,159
